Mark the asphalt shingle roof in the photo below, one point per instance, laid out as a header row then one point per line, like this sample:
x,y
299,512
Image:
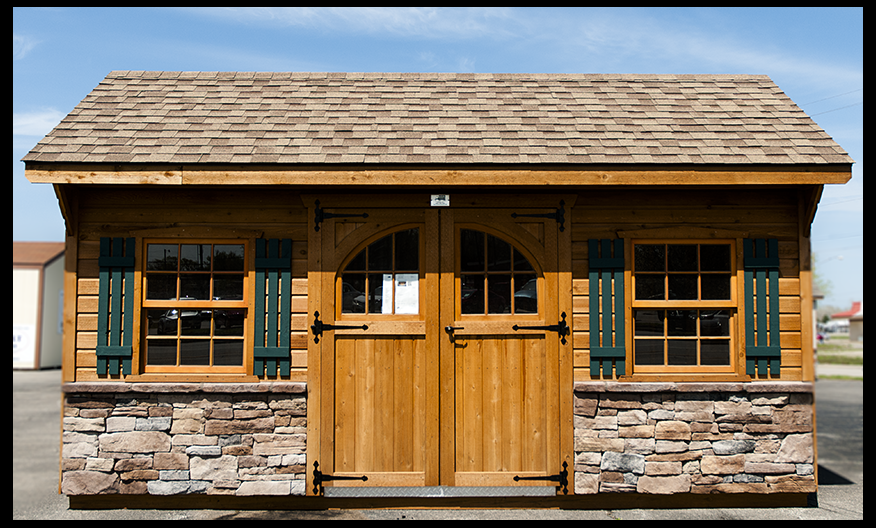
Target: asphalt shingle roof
x,y
389,118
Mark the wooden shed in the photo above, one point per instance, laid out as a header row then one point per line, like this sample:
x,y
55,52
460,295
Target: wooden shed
x,y
325,289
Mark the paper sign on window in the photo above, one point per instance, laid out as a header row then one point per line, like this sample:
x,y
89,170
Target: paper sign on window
x,y
407,293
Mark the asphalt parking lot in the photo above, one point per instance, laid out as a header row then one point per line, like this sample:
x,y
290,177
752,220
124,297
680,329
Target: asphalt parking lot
x,y
840,415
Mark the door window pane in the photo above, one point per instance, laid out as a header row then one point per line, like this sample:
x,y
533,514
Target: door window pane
x,y
496,278
383,278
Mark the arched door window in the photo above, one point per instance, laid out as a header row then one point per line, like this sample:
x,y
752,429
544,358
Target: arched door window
x,y
495,278
383,278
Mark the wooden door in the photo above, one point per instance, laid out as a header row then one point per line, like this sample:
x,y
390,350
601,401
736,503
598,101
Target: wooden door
x,y
378,350
419,382
500,399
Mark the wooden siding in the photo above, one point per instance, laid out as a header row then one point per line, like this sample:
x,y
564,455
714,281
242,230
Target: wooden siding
x,y
691,214
271,212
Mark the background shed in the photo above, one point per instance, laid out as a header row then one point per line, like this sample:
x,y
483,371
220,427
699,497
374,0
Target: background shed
x,y
37,298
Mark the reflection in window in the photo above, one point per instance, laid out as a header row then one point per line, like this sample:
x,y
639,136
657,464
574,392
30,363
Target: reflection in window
x,y
682,337
193,314
495,278
682,304
383,278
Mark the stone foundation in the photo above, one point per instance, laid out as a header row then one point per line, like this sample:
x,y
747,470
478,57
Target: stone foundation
x,y
172,439
669,438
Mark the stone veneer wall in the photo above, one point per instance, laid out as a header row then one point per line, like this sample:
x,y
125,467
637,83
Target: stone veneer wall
x,y
701,438
172,439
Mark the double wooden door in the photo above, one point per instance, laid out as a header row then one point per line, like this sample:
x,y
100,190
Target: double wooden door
x,y
440,341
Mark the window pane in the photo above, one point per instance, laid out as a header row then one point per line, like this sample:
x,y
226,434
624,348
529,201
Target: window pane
x,y
196,322
500,293
526,296
358,263
471,250
650,257
649,351
194,286
715,257
681,352
472,294
161,286
716,286
683,287
648,322
682,257
376,293
715,323
161,257
195,257
194,352
229,322
161,351
380,254
407,250
681,323
498,254
520,262
353,293
228,257
228,352
650,287
161,322
228,287
715,352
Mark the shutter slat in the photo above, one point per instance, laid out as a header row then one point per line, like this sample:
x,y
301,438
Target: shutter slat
x,y
607,270
762,336
115,321
273,267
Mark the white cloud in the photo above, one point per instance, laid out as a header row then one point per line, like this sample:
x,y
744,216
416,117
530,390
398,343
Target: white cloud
x,y
21,46
37,123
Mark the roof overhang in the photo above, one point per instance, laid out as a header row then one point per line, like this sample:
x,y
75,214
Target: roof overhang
x,y
437,175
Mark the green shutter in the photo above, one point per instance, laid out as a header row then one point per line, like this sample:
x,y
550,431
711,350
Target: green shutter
x,y
115,321
609,269
273,269
762,345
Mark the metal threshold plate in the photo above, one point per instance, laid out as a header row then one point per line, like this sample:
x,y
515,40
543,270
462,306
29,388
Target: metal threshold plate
x,y
441,491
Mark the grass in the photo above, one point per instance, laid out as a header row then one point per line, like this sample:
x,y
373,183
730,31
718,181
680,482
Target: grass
x,y
838,351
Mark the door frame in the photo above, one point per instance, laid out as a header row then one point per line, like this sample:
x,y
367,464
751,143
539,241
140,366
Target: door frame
x,y
321,288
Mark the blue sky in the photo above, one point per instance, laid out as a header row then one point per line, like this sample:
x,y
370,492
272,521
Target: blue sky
x,y
814,54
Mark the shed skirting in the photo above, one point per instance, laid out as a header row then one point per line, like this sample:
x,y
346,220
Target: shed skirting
x,y
249,439
701,438
189,438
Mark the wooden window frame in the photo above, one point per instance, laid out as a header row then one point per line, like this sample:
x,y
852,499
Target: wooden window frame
x,y
731,305
202,304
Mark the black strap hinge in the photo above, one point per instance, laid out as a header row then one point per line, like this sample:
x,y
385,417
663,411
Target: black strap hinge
x,y
322,215
559,215
319,477
561,328
318,327
562,479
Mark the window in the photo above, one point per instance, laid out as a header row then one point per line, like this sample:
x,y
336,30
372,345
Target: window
x,y
383,278
495,278
194,306
683,306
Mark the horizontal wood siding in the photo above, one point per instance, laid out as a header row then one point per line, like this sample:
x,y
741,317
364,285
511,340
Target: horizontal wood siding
x,y
185,213
269,212
670,213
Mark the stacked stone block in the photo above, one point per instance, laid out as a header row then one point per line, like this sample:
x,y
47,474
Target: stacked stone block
x,y
671,438
173,439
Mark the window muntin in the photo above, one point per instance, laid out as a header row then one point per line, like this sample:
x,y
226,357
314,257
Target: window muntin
x,y
194,308
384,277
495,278
683,306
